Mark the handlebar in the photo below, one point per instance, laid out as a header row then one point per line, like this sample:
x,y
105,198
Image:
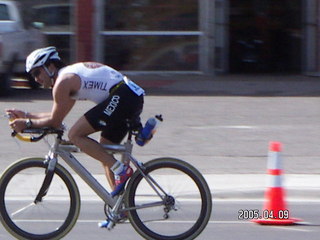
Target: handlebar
x,y
42,132
133,126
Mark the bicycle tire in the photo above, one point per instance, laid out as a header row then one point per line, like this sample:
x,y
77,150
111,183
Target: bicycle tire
x,y
25,175
139,194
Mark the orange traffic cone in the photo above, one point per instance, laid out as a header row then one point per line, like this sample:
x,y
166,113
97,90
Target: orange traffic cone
x,y
275,211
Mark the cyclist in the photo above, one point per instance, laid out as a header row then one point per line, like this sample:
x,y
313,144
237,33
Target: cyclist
x,y
117,99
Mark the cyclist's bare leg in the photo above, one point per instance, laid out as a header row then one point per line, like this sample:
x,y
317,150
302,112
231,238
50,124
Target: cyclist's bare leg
x,y
106,168
78,135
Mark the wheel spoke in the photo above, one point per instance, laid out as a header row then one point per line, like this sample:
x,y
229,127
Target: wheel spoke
x,y
22,209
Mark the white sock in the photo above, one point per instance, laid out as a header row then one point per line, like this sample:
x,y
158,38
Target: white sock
x,y
117,168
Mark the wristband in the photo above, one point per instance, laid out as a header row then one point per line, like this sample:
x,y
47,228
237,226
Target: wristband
x,y
28,123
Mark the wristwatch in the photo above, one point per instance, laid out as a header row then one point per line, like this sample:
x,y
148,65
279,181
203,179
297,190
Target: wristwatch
x,y
29,123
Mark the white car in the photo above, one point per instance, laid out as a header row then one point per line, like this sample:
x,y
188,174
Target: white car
x,y
16,42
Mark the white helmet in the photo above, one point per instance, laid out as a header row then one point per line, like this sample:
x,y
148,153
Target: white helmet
x,y
40,56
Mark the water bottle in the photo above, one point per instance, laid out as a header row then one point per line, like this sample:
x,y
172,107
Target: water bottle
x,y
148,130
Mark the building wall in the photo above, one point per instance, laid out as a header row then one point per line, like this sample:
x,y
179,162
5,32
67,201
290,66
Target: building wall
x,y
198,43
84,28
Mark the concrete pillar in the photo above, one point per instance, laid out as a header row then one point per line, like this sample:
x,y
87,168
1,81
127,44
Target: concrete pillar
x,y
318,38
311,60
84,30
207,39
98,28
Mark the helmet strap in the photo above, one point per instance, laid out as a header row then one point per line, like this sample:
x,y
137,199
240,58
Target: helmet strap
x,y
50,74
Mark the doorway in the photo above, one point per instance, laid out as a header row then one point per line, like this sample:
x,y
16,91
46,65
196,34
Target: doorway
x,y
265,36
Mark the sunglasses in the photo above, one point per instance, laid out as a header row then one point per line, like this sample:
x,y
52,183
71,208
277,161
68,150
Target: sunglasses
x,y
35,73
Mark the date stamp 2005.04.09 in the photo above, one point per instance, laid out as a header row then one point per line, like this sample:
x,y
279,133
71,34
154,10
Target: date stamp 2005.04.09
x,y
250,214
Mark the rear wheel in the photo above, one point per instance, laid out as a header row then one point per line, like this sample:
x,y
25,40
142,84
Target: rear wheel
x,y
178,195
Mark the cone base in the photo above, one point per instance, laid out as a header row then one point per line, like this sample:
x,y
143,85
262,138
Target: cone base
x,y
270,221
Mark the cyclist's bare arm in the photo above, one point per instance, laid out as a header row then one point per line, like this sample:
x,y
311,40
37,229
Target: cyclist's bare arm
x,y
62,91
16,113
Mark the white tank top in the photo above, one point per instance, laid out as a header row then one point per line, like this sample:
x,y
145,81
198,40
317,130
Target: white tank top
x,y
96,80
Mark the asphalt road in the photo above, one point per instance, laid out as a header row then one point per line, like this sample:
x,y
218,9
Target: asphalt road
x,y
220,135
224,223
217,134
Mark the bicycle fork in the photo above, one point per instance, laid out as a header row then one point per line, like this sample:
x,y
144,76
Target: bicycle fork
x,y
51,162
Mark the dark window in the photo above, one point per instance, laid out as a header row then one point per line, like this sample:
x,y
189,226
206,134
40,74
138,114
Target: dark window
x,y
152,53
4,14
151,15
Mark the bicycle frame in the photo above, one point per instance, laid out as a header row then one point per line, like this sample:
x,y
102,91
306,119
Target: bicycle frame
x,y
125,150
64,152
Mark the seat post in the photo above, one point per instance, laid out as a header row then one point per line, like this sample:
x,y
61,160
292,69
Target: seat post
x,y
133,126
130,135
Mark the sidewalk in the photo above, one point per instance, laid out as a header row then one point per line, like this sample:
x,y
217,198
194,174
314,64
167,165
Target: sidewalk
x,y
229,85
253,186
240,186
223,187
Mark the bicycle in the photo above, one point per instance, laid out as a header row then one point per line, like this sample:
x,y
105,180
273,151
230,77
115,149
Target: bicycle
x,y
47,203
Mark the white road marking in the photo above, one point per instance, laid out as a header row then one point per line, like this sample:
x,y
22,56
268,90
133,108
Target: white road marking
x,y
287,228
225,127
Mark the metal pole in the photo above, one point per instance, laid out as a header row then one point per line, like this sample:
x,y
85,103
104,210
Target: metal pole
x,y
318,38
98,29
207,38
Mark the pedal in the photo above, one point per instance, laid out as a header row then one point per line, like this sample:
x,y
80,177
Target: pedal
x,y
108,224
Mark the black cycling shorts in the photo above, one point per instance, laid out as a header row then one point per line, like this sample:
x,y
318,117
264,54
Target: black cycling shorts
x,y
110,116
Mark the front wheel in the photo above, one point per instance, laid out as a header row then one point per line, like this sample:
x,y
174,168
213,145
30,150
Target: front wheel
x,y
171,202
23,216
